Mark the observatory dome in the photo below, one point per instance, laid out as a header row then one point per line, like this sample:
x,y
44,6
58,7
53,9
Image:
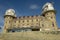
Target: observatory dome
x,y
10,12
48,6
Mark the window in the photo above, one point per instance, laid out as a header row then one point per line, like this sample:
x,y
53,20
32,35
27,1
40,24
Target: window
x,y
13,30
35,29
42,25
28,16
27,24
23,16
27,20
53,24
19,17
47,13
36,19
19,21
9,21
15,21
31,16
51,17
44,15
23,21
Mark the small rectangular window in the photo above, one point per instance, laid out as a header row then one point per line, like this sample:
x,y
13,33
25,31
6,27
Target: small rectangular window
x,y
36,19
23,21
28,16
19,17
53,24
31,16
15,21
27,20
27,24
23,16
9,21
51,17
19,21
42,25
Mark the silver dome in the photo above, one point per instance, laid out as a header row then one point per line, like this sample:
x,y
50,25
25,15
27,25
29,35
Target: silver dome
x,y
48,6
10,12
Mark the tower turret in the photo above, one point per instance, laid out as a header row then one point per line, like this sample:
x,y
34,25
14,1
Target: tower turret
x,y
49,13
8,19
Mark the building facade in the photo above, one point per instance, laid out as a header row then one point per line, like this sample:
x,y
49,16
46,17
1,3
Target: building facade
x,y
45,21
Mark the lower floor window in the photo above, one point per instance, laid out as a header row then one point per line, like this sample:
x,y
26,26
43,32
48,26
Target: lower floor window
x,y
22,30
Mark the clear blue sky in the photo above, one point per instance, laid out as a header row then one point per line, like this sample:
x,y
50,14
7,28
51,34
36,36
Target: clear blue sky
x,y
27,8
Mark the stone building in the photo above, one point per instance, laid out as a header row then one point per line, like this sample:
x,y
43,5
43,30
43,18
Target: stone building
x,y
45,21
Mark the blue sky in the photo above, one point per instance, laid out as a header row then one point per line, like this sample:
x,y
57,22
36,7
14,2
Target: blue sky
x,y
27,8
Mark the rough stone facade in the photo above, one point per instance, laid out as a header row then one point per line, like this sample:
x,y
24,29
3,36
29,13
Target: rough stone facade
x,y
45,21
